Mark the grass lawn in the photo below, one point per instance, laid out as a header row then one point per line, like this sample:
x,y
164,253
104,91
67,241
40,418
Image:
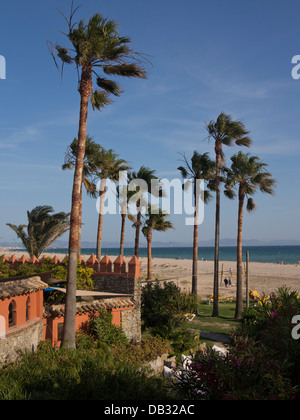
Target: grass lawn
x,y
224,324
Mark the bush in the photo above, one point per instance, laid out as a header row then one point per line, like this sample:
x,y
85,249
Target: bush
x,y
252,377
270,324
24,269
62,374
84,275
60,272
163,306
183,341
263,362
145,351
102,331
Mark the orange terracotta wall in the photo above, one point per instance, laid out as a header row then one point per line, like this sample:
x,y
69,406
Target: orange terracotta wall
x,y
35,307
53,325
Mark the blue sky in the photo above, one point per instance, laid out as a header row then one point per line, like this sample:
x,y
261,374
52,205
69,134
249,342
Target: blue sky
x,y
206,57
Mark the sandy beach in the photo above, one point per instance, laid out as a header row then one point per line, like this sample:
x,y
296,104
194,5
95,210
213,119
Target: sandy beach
x,y
264,278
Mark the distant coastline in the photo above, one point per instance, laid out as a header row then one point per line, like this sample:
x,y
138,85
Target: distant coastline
x,y
263,254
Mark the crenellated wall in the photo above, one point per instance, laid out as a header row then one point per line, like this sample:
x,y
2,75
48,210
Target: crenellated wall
x,y
105,266
116,277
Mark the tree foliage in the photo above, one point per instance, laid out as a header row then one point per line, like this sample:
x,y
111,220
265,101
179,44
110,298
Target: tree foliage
x,y
42,230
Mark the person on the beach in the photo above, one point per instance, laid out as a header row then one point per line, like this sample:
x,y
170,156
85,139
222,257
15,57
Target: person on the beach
x,y
226,282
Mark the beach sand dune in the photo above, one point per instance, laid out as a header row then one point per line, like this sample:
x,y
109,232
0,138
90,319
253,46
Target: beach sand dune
x,y
265,278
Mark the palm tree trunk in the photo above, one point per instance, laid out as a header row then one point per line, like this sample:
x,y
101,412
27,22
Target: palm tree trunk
x,y
122,234
217,233
137,234
239,281
85,90
80,226
195,243
100,220
149,242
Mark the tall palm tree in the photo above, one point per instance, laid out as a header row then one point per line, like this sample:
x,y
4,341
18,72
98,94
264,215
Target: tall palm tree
x,y
43,229
146,175
224,131
109,167
247,174
95,46
123,196
158,222
200,168
92,150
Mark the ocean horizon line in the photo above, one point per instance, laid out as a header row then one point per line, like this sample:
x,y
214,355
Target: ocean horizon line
x,y
276,254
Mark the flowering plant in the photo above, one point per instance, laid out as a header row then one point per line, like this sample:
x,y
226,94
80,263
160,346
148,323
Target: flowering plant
x,y
263,359
254,295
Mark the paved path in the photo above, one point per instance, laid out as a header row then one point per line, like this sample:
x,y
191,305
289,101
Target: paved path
x,y
218,337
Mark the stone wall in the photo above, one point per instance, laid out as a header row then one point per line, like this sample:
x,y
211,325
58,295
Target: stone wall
x,y
26,337
131,324
118,284
130,319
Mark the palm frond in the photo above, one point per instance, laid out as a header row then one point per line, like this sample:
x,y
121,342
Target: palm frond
x,y
125,70
251,205
42,229
249,173
99,99
109,86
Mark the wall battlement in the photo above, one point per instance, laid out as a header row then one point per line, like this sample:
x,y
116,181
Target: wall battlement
x,y
117,267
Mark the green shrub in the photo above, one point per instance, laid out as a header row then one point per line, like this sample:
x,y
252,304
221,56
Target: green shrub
x,y
263,362
83,374
252,377
6,270
138,353
84,275
59,271
163,306
183,341
270,324
101,329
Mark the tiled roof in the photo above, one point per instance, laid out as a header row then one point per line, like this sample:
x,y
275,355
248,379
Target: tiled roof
x,y
13,288
58,311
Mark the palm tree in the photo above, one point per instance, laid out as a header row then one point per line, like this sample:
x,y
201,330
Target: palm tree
x,y
122,237
95,46
146,175
247,174
225,132
109,167
92,150
200,167
123,196
43,229
155,221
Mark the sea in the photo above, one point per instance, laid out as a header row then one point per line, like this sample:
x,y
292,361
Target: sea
x,y
263,254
